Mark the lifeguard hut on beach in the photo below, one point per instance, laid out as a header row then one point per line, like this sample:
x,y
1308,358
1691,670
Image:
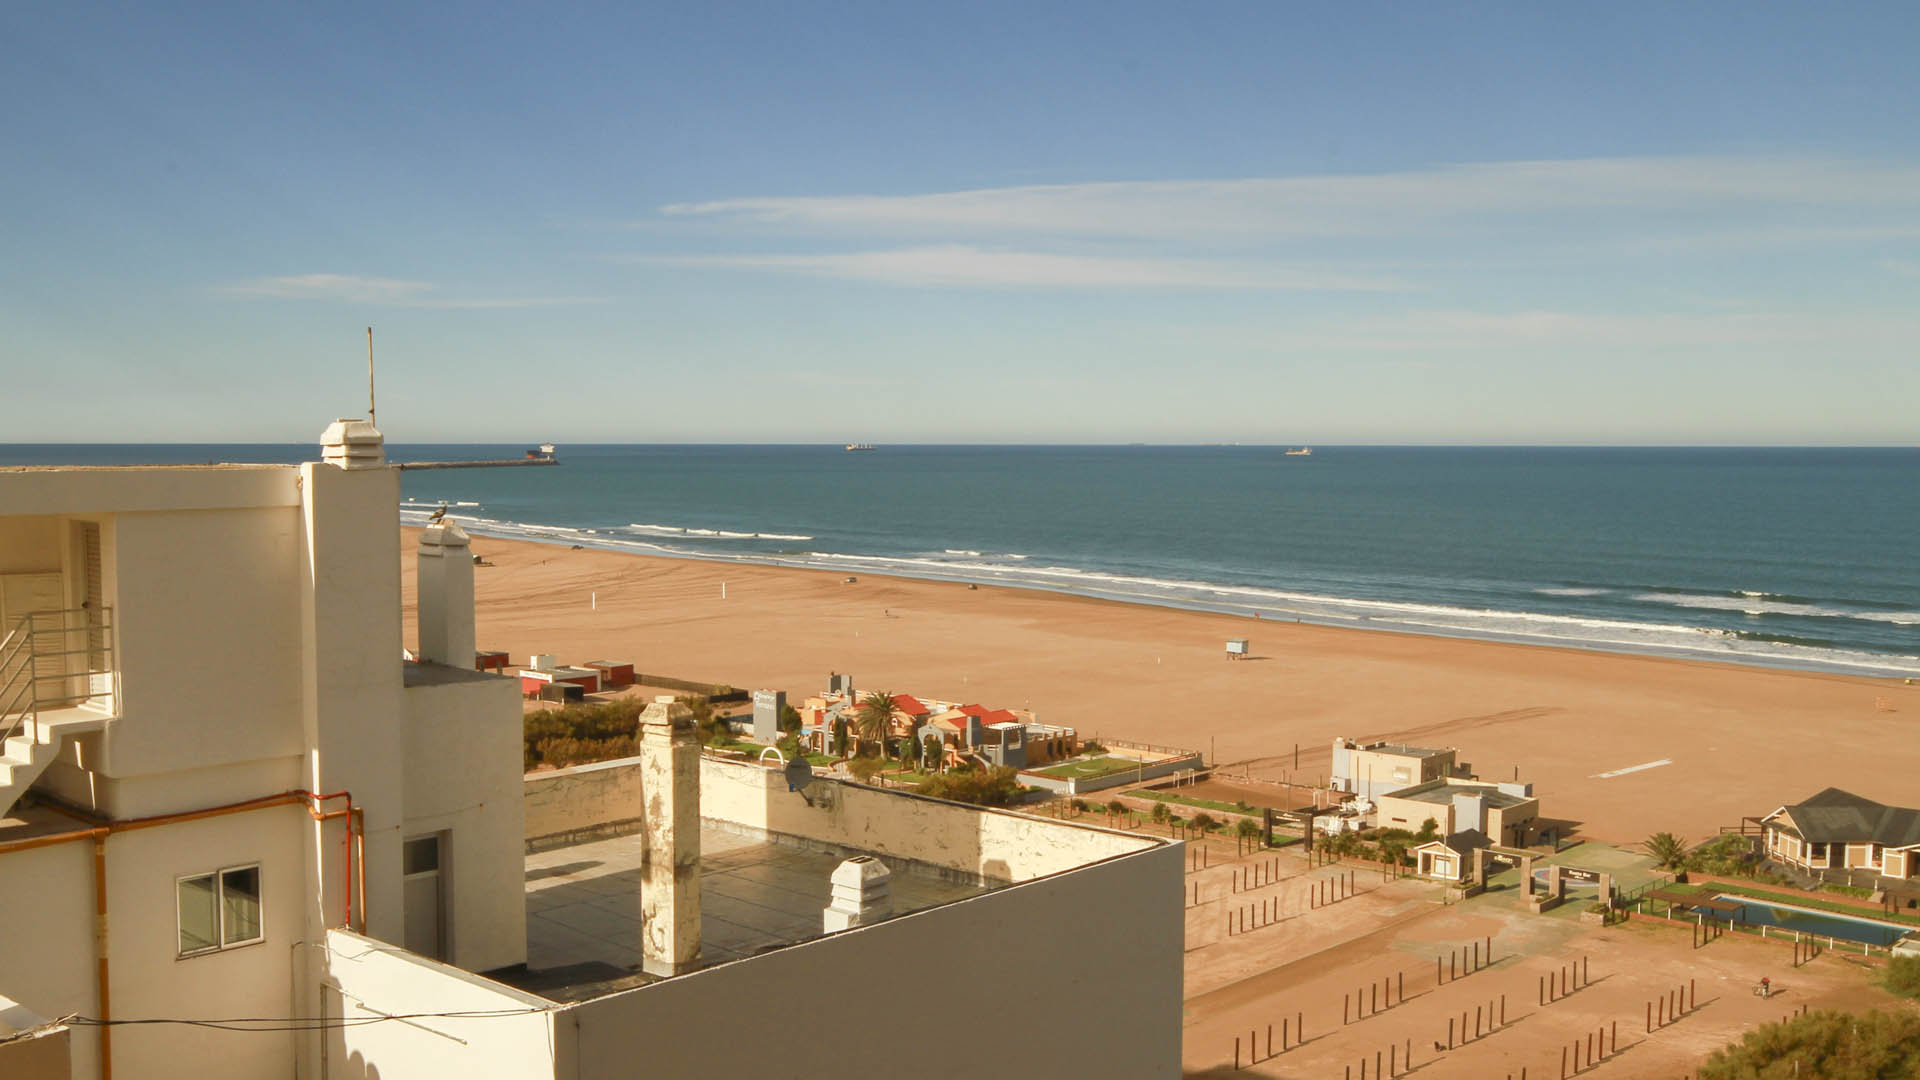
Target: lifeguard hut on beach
x,y
1237,648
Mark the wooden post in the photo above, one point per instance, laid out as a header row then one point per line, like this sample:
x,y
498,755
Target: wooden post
x,y
1345,1005
1563,1063
1236,1053
1476,1021
1649,1017
1616,1036
1283,1032
1373,995
1401,978
1270,1040
1449,1032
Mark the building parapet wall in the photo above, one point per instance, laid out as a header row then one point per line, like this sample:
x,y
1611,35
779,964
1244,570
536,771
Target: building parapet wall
x,y
605,798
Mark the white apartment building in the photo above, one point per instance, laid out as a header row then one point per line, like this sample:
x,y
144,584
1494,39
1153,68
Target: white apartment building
x,y
228,805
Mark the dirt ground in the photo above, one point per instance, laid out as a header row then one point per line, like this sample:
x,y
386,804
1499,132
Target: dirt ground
x,y
1316,964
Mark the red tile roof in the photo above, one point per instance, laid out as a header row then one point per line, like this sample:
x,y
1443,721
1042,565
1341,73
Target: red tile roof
x,y
999,716
973,710
910,705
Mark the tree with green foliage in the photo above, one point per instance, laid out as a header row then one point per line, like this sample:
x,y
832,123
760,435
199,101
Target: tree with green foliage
x,y
1160,812
840,736
1079,806
873,718
1668,851
932,754
1394,844
1732,855
1829,1045
866,766
790,720
1203,821
998,786
1429,830
1247,830
1115,807
1903,976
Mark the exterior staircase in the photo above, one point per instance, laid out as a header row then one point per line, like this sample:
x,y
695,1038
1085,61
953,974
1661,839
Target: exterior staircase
x,y
56,681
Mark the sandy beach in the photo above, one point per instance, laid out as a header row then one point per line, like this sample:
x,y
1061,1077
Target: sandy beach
x,y
1621,745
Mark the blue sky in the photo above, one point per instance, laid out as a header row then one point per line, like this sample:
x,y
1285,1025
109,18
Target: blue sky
x,y
1027,222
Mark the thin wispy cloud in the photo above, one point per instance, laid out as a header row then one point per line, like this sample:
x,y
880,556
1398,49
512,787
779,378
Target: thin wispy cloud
x,y
1438,199
378,292
1555,332
960,265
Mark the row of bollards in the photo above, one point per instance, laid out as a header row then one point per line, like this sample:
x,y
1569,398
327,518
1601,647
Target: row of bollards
x,y
1293,1035
1801,1011
1331,890
1256,875
1671,1006
1197,858
1487,1019
1253,916
1803,951
1555,985
1464,960
1588,1059
1394,1061
1366,1001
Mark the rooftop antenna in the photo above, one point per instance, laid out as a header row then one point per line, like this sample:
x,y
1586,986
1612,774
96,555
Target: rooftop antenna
x,y
370,418
369,379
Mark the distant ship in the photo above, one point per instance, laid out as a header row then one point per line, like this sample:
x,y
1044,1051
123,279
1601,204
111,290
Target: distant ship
x,y
852,446
1305,451
544,450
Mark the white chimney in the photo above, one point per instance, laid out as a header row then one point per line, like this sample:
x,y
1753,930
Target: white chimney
x,y
862,894
446,596
353,444
670,868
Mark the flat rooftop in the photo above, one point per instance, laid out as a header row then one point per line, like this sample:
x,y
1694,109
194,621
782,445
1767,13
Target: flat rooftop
x,y
1441,793
583,906
1402,750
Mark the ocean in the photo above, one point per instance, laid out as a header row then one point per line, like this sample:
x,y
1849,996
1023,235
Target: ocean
x,y
1802,558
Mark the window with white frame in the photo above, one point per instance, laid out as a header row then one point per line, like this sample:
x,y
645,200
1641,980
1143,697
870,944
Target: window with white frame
x,y
218,910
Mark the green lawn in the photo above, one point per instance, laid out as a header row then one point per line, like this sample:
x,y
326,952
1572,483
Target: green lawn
x,y
1188,800
1088,768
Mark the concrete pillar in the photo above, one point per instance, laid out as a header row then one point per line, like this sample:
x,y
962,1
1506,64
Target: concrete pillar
x,y
862,894
446,596
1526,875
670,872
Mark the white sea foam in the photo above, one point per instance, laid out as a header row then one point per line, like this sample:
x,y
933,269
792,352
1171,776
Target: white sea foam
x,y
713,534
962,551
1571,590
1752,604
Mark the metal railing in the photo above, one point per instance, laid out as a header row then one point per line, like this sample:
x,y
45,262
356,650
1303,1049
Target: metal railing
x,y
39,669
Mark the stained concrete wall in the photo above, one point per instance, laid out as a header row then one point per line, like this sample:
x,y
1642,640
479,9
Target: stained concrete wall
x,y
997,844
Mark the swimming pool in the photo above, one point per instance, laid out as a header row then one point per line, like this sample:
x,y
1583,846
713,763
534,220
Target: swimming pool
x,y
1818,923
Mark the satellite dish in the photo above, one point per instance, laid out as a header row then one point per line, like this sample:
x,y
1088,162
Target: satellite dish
x,y
799,773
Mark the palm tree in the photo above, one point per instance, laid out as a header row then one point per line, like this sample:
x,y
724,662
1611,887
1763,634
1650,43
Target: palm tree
x,y
1668,850
874,719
